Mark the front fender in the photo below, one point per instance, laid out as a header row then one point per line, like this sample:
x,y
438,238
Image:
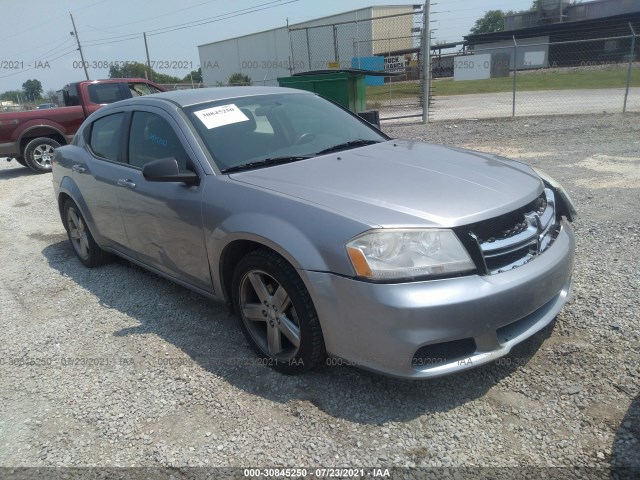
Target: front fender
x,y
273,232
309,236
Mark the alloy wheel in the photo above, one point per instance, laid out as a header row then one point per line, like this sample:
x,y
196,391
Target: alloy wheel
x,y
78,233
269,315
42,155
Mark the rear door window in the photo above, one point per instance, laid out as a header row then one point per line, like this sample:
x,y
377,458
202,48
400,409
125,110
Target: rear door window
x,y
102,93
104,140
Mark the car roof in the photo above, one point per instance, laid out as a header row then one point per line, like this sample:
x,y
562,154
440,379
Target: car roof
x,y
185,98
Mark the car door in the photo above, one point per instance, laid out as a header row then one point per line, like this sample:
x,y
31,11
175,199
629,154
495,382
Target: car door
x,y
163,220
97,178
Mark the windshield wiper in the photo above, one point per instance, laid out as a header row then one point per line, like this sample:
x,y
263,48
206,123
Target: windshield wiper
x,y
347,145
267,162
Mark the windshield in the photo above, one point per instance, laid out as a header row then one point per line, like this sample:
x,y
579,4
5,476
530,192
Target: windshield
x,y
266,130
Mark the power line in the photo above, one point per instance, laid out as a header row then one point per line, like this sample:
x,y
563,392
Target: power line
x,y
128,36
53,49
158,31
165,14
197,23
167,29
14,55
194,23
69,52
50,18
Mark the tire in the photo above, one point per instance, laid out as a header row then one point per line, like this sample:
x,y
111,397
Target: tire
x,y
82,242
21,161
276,313
38,154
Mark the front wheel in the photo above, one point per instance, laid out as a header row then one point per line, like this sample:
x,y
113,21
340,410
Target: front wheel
x,y
276,313
38,154
84,246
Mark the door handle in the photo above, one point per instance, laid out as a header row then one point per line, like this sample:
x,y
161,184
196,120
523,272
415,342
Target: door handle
x,y
126,183
78,168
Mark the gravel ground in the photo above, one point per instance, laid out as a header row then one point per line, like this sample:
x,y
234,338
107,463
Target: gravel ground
x,y
115,367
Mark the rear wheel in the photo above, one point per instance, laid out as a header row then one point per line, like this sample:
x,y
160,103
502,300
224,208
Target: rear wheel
x,y
276,313
84,246
38,154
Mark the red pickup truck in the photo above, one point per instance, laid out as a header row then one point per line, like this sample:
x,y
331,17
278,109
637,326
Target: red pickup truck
x,y
31,136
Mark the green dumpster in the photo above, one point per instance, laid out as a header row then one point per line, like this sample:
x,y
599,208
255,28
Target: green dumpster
x,y
345,87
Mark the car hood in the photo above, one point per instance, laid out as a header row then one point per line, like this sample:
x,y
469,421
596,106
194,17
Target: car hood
x,y
405,183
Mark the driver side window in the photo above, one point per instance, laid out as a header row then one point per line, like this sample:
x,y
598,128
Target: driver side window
x,y
151,138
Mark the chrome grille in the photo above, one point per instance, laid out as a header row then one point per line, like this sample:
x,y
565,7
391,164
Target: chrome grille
x,y
511,240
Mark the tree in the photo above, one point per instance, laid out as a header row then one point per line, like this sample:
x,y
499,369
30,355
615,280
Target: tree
x,y
11,96
239,79
194,76
32,89
162,78
492,21
51,95
138,70
128,70
536,6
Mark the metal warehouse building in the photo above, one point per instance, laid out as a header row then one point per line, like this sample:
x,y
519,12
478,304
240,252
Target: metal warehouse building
x,y
364,38
545,36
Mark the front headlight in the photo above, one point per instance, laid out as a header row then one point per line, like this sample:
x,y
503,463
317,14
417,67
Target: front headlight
x,y
571,211
407,254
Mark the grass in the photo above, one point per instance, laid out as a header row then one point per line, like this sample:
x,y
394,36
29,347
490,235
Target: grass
x,y
397,89
525,81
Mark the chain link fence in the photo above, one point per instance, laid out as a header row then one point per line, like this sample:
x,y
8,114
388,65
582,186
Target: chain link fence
x,y
387,44
531,76
568,68
182,86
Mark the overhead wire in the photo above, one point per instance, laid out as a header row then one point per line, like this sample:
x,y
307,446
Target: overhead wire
x,y
50,18
166,14
34,67
66,39
226,17
194,23
157,31
54,48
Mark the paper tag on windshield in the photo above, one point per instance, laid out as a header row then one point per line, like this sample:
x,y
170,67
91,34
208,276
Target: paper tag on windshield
x,y
220,116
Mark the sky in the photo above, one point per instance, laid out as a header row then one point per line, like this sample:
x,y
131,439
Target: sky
x,y
35,40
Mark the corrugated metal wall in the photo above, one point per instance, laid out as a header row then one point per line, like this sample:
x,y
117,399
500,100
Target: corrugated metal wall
x,y
265,56
262,56
388,34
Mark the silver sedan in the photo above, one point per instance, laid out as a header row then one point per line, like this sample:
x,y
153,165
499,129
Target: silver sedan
x,y
330,241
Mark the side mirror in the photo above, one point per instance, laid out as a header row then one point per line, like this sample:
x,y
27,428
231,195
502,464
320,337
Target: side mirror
x,y
166,170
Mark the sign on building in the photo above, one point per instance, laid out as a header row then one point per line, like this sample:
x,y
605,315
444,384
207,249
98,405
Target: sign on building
x,y
395,64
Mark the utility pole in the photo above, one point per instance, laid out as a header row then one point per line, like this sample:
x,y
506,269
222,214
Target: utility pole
x,y
426,61
146,47
629,70
292,68
75,33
